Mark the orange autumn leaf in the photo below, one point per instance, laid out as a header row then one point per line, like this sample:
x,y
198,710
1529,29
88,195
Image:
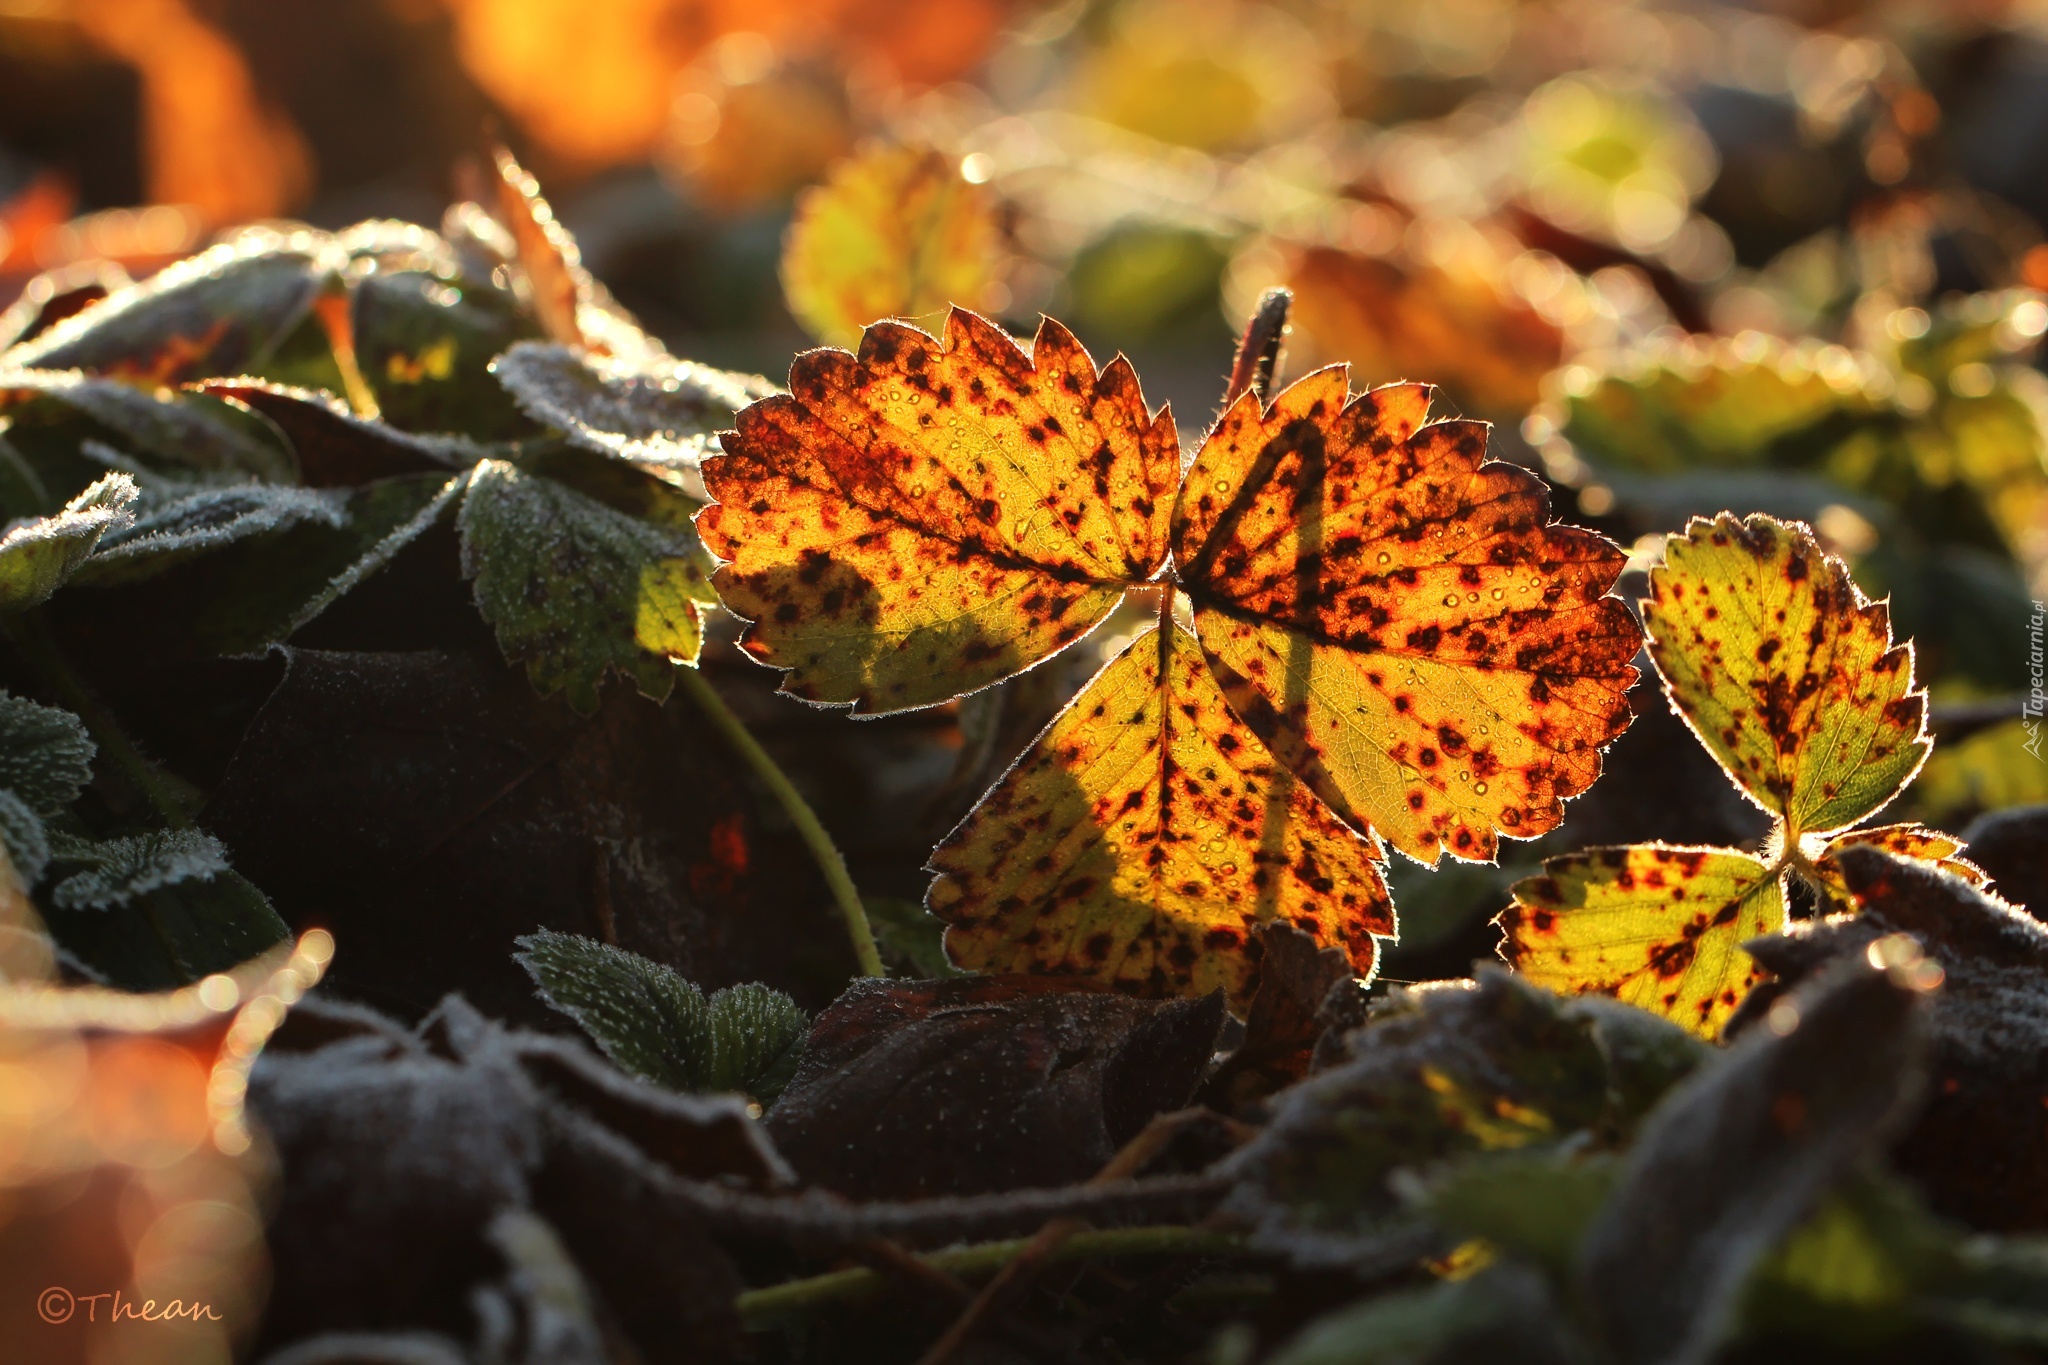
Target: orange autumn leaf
x,y
925,518
547,254
1144,838
1397,618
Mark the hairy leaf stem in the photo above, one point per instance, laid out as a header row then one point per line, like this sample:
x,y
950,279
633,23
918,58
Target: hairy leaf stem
x,y
827,854
759,1308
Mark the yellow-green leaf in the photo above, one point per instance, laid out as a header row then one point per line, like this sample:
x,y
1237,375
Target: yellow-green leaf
x,y
1395,617
1786,672
894,232
1144,837
1661,928
576,588
925,518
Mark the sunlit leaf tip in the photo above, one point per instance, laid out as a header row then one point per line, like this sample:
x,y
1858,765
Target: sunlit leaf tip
x,y
1143,839
1659,927
929,516
1786,671
1399,619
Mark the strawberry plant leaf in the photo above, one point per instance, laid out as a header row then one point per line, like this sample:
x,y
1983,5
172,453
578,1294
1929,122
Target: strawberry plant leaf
x,y
1905,841
1143,840
24,843
45,754
556,284
333,447
36,557
1786,672
175,523
117,871
665,414
188,431
655,1024
929,517
894,232
1661,928
425,345
1396,619
576,589
220,312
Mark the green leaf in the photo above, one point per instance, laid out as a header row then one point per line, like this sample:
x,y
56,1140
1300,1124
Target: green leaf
x,y
183,430
653,1023
187,521
220,312
170,936
910,937
1503,1314
662,412
576,588
119,871
1533,1204
425,345
45,754
36,557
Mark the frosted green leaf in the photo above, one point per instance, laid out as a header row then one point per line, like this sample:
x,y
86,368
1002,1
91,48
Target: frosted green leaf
x,y
118,871
576,588
45,754
661,411
187,522
37,556
653,1023
190,430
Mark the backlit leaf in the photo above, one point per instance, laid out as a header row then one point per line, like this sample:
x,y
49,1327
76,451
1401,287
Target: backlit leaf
x,y
555,280
36,557
1785,671
220,312
927,518
1396,619
1145,837
576,588
1661,928
1907,841
893,232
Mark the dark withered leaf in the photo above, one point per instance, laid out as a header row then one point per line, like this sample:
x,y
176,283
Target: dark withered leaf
x,y
653,1023
55,295
38,556
425,346
45,754
2012,846
220,312
658,411
1295,977
577,589
175,522
337,449
1979,1147
916,1088
430,809
405,1152
1450,1070
1736,1157
178,430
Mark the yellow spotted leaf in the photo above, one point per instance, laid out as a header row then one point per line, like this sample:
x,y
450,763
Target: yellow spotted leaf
x,y
1786,672
1660,928
1143,839
894,232
925,518
1907,841
1397,618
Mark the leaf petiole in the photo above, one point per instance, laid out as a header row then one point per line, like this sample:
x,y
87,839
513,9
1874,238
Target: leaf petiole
x,y
827,854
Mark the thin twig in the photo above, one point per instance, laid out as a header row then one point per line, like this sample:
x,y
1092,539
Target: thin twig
x,y
800,813
762,1307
